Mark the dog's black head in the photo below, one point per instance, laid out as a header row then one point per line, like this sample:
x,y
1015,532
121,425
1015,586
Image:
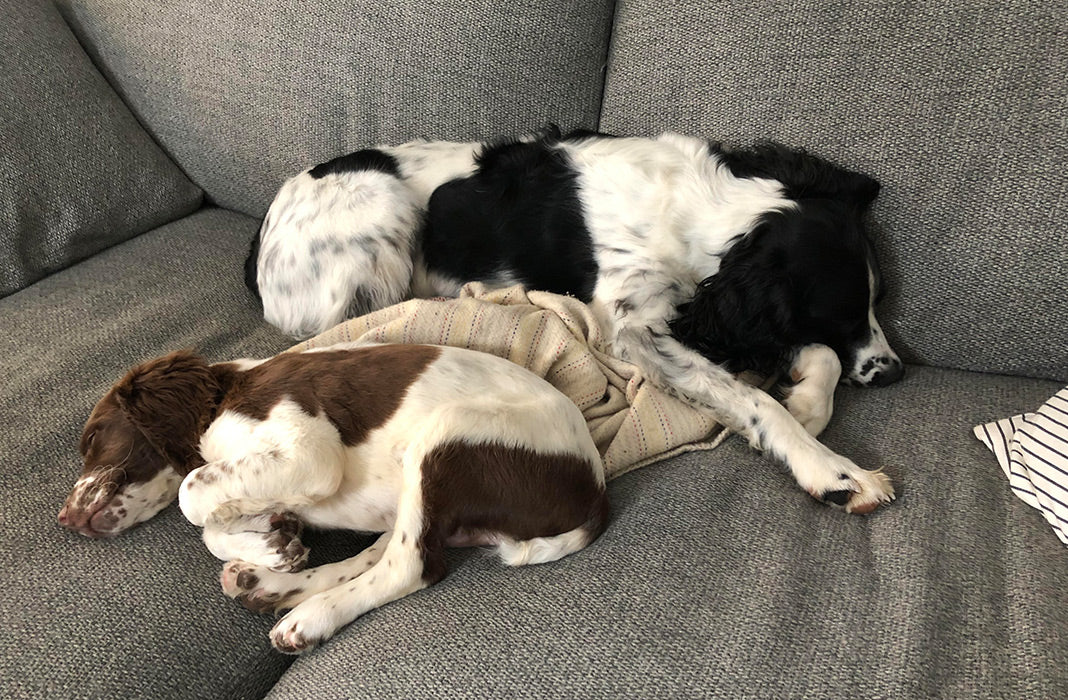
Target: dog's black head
x,y
806,274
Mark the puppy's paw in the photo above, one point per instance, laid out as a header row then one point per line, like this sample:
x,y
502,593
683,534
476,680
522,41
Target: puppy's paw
x,y
284,540
258,588
301,630
291,641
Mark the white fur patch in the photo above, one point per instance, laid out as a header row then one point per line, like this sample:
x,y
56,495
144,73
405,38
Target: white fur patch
x,y
876,354
816,370
335,247
137,502
343,245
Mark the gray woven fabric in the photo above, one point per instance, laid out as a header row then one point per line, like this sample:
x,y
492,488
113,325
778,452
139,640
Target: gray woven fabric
x,y
77,172
140,616
719,578
960,108
246,94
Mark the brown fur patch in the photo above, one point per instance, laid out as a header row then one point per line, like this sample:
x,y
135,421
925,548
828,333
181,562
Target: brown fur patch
x,y
516,492
357,389
110,439
171,400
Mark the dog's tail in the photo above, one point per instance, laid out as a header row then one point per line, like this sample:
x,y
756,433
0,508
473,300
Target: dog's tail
x,y
539,550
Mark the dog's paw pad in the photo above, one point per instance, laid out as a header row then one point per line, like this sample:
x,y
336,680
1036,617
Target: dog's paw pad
x,y
238,577
287,523
860,492
245,583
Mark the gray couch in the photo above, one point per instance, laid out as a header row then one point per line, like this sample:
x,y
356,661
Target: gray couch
x,y
141,140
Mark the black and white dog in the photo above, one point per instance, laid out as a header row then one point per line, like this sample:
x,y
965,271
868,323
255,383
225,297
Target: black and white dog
x,y
699,260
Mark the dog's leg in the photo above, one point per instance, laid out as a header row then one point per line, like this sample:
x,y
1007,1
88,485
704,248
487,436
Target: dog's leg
x,y
407,564
646,340
247,507
814,374
271,540
218,493
263,589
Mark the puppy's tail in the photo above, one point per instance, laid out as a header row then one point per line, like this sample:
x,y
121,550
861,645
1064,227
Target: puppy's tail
x,y
539,550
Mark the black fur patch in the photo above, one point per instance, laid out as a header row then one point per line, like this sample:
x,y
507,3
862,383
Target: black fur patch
x,y
580,134
367,159
251,265
517,217
798,277
803,175
839,498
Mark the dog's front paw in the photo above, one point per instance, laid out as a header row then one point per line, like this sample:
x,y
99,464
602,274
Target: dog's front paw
x,y
258,588
837,481
876,489
860,491
284,539
810,399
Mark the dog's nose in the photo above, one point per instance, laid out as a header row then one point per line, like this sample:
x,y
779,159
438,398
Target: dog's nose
x,y
889,374
63,519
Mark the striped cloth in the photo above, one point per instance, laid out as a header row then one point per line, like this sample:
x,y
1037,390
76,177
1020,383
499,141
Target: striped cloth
x,y
1033,452
633,423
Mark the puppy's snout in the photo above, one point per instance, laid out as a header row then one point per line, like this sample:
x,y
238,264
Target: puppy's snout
x,y
888,374
76,520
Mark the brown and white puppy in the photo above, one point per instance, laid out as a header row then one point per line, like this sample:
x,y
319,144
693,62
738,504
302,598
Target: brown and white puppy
x,y
432,446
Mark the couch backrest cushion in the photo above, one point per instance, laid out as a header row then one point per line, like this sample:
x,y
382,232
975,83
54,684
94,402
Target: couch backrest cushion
x,y
77,172
246,93
960,108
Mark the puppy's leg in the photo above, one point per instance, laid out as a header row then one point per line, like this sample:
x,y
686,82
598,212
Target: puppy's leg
x,y
263,589
645,339
409,562
220,492
247,507
271,540
815,372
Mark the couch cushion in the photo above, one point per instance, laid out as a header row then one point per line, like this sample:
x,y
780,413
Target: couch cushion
x,y
718,577
141,615
77,172
247,93
960,108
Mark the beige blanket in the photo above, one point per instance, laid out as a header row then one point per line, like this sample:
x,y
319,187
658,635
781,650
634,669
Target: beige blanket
x,y
632,422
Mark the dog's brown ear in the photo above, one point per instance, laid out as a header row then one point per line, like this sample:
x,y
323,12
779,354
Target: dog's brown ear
x,y
170,400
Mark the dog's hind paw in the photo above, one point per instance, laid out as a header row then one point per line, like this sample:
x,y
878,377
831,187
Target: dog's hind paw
x,y
294,635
